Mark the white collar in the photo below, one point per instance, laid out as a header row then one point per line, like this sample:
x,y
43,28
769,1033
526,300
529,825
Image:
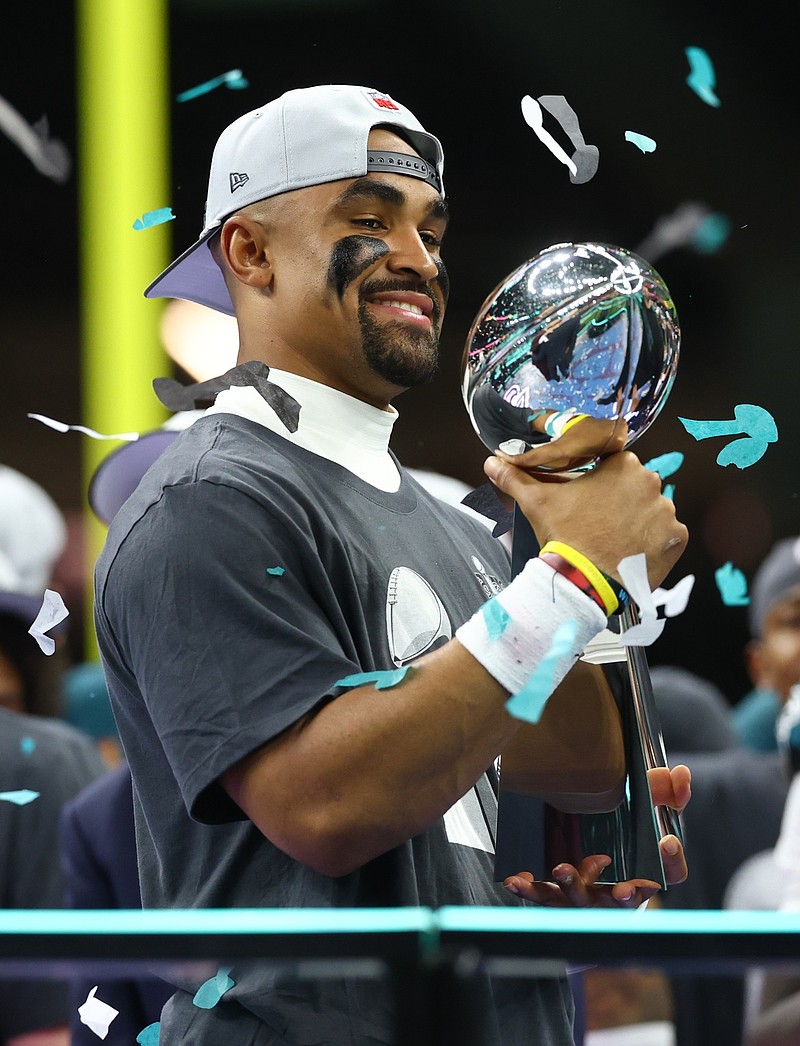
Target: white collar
x,y
332,424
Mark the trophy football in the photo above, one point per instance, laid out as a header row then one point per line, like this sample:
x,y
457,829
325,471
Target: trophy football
x,y
589,328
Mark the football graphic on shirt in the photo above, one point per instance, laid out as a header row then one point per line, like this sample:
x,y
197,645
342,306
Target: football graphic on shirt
x,y
415,616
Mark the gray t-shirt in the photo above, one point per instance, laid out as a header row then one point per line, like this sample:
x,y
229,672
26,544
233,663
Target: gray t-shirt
x,y
242,580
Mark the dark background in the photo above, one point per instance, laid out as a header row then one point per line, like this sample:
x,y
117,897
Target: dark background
x,y
462,68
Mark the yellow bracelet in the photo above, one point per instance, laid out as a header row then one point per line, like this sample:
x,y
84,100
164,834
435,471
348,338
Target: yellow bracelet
x,y
573,421
592,574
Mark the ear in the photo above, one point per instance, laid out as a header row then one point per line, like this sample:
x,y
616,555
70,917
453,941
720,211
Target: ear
x,y
243,244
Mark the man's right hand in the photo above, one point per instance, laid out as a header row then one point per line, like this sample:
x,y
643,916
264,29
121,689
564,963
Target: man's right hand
x,y
614,511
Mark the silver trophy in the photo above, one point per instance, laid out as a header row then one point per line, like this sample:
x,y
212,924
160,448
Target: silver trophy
x,y
590,328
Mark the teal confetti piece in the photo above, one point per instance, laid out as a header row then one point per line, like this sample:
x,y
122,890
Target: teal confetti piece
x,y
536,414
232,79
529,702
702,79
669,491
665,464
21,797
755,422
712,233
495,617
276,571
647,145
151,218
149,1036
382,680
732,585
211,991
27,745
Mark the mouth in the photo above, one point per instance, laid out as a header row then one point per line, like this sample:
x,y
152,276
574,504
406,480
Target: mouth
x,y
407,306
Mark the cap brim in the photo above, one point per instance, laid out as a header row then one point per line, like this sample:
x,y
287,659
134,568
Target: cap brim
x,y
194,276
118,475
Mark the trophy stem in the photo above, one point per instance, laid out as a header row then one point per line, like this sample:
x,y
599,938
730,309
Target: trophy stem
x,y
534,835
646,719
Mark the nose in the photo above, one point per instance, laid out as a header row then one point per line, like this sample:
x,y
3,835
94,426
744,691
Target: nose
x,y
410,255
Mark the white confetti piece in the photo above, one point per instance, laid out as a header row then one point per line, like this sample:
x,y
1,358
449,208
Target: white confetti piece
x,y
675,599
633,571
532,114
96,1014
59,426
48,155
52,612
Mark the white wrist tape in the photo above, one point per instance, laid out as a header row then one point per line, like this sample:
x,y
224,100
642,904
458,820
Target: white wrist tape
x,y
514,630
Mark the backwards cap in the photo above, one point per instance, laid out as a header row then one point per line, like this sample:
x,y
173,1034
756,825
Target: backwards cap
x,y
305,137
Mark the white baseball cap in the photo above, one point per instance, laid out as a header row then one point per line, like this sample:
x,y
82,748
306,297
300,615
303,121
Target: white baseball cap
x,y
33,534
307,136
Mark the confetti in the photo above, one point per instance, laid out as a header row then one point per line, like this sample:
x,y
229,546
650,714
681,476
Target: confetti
x,y
529,702
532,114
495,617
677,229
759,430
633,572
702,78
732,585
647,145
584,161
712,233
276,571
48,155
669,491
60,426
151,218
674,600
665,464
586,157
21,797
96,1014
232,79
149,1036
52,612
382,680
27,745
211,991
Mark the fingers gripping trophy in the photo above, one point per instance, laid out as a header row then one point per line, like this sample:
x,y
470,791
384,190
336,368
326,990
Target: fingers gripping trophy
x,y
571,358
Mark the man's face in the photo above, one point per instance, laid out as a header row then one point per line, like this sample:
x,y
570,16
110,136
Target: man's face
x,y
774,660
359,288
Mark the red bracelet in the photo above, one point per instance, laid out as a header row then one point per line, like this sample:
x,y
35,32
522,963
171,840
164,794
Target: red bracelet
x,y
571,573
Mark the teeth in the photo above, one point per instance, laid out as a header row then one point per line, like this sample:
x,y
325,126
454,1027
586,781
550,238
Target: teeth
x,y
404,306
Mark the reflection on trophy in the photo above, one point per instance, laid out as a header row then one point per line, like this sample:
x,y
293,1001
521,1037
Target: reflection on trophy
x,y
580,329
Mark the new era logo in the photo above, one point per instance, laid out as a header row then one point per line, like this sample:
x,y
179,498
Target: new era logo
x,y
238,180
383,101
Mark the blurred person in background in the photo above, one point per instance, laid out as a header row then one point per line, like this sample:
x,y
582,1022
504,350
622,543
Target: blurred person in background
x,y
773,653
738,795
33,535
40,754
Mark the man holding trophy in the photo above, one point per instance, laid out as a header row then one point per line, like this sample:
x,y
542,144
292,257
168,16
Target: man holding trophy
x,y
309,679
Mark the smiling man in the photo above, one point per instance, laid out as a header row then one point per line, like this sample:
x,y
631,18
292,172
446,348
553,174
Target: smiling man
x,y
277,557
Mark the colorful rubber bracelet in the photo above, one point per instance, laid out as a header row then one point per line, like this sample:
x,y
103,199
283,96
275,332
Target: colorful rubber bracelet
x,y
593,575
554,423
573,421
571,573
619,592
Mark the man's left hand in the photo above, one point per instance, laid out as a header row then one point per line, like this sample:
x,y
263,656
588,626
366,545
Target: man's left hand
x,y
576,887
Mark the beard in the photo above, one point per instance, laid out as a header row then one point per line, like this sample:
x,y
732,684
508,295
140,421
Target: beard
x,y
403,357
